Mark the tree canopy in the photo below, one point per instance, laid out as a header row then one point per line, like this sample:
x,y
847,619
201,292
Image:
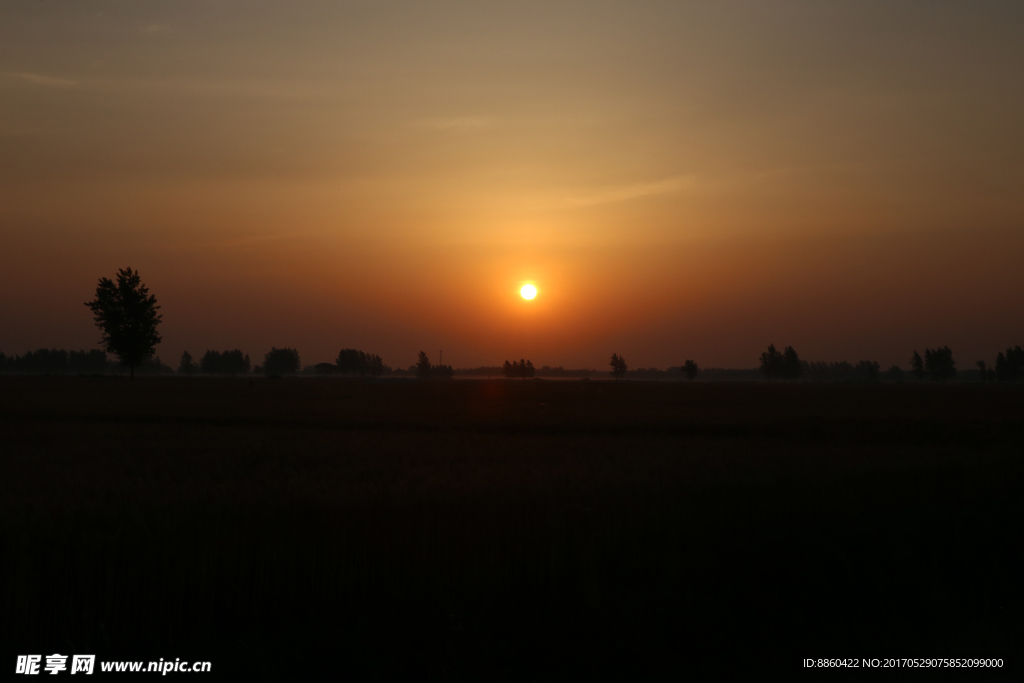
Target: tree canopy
x,y
690,369
785,365
355,362
127,314
281,361
619,366
520,368
225,363
939,363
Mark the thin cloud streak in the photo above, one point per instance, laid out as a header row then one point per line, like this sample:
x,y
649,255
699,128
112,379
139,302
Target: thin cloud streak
x,y
456,123
626,192
39,79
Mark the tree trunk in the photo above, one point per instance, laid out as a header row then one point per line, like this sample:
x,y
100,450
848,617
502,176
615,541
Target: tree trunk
x,y
131,370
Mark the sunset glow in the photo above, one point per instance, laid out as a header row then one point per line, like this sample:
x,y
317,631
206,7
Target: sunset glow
x,y
698,178
528,291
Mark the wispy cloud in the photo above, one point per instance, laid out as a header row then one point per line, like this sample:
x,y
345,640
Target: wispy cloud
x,y
39,79
621,193
155,28
456,123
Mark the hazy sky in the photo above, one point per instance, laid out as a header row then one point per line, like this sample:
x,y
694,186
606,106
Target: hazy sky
x,y
679,180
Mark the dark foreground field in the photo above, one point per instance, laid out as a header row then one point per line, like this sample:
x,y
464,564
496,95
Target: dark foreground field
x,y
499,530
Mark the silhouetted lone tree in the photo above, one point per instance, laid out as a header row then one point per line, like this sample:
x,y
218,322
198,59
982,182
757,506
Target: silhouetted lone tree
x,y
1010,367
127,314
690,369
186,366
619,366
917,366
281,361
508,370
986,373
771,362
939,363
423,366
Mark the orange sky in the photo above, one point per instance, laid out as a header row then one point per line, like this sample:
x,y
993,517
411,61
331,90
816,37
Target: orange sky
x,y
680,180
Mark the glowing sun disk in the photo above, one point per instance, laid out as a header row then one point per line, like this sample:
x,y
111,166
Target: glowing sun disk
x,y
528,291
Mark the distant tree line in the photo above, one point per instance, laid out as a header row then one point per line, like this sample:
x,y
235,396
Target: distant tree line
x,y
1009,366
216,363
521,369
785,365
56,362
841,371
424,370
62,362
937,364
355,362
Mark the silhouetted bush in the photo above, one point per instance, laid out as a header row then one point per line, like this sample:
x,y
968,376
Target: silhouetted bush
x,y
325,368
1010,366
521,369
690,369
56,362
225,363
986,373
894,373
424,370
939,363
548,371
423,366
154,366
186,366
281,361
842,371
785,365
619,366
355,362
917,366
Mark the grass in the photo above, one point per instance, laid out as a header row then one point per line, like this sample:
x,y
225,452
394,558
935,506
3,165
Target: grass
x,y
497,530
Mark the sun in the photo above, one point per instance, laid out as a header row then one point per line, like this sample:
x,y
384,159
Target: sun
x,y
528,291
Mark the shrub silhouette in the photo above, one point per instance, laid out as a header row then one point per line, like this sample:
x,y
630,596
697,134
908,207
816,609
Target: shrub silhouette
x,y
690,369
785,365
867,371
619,366
127,314
986,373
225,363
917,366
186,366
355,362
281,361
1010,366
423,366
521,369
939,363
424,370
894,373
